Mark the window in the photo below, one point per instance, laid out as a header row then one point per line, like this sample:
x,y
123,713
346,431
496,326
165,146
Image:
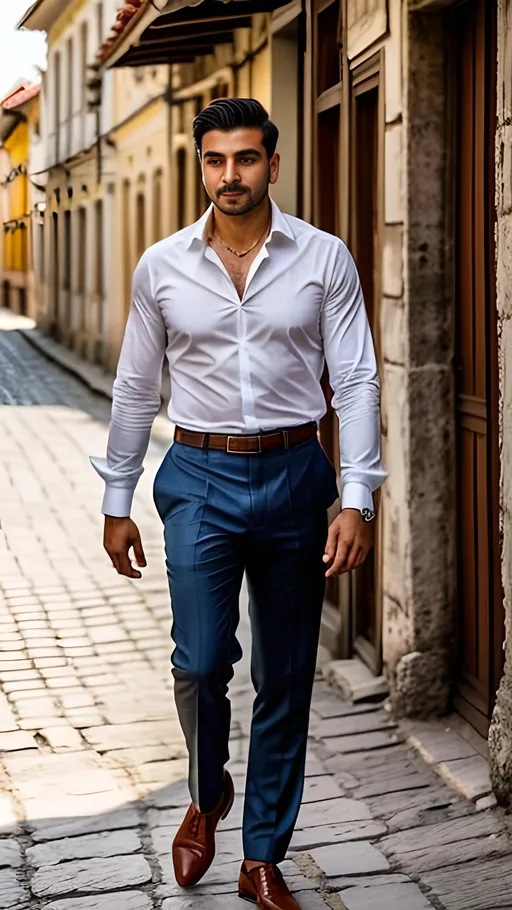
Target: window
x,y
181,170
42,253
98,268
328,125
328,71
157,206
127,254
99,23
67,268
69,95
56,103
55,272
82,264
140,223
84,36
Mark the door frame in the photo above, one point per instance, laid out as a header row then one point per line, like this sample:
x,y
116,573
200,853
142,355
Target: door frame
x,y
496,602
366,77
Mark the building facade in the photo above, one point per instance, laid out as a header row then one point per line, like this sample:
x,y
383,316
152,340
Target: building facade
x,y
21,198
395,135
388,113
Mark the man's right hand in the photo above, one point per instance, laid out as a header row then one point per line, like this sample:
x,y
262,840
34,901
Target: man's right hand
x,y
120,535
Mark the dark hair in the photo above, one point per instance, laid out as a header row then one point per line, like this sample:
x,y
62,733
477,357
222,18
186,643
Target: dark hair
x,y
228,114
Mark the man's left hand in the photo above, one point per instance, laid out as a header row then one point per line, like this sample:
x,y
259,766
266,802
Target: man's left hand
x,y
348,542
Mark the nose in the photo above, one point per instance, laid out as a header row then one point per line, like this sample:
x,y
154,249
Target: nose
x,y
231,172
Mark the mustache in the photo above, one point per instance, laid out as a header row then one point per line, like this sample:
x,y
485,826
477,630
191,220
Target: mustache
x,y
233,188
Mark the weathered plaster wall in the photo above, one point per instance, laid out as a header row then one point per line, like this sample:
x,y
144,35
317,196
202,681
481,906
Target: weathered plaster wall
x,y
500,737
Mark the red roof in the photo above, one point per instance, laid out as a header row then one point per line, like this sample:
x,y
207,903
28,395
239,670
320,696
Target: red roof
x,y
20,96
125,15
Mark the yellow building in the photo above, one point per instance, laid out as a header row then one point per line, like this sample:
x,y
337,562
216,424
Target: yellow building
x,y
106,175
19,202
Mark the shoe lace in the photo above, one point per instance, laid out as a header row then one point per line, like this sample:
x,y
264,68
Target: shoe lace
x,y
269,875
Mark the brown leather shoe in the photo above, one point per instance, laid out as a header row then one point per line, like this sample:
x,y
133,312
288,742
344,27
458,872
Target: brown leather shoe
x,y
193,849
266,887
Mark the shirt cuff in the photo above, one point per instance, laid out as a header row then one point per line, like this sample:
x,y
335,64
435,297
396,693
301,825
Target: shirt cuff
x,y
356,495
119,489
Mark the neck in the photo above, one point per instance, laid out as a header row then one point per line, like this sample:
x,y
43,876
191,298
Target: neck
x,y
240,231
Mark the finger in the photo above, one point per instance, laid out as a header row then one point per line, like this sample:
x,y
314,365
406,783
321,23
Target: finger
x,y
361,556
331,544
124,566
339,559
138,552
350,560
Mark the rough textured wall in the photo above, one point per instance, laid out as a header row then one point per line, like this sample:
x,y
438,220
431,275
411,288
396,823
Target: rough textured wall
x,y
500,737
418,665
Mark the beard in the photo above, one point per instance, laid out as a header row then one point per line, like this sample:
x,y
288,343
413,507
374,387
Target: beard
x,y
242,205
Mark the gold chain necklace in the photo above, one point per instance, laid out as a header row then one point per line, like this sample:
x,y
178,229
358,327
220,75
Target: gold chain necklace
x,y
235,252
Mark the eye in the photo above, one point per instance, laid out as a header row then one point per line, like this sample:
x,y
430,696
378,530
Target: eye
x,y
214,162
247,160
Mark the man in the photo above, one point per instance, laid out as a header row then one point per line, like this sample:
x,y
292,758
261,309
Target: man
x,y
246,304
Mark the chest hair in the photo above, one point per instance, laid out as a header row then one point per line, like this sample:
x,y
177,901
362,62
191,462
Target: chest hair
x,y
237,268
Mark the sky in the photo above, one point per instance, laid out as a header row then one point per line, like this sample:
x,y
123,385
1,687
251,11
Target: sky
x,y
21,51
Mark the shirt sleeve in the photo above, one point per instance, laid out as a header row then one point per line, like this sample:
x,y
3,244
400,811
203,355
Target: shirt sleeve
x,y
352,367
136,396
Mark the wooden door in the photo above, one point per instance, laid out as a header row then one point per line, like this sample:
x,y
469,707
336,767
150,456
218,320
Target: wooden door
x,y
365,244
327,101
480,603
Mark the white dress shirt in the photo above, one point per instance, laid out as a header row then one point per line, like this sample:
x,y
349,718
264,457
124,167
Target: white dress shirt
x,y
244,366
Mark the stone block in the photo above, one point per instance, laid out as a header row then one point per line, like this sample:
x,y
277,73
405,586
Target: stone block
x,y
363,742
394,177
349,859
436,743
354,724
89,846
306,839
320,788
469,776
333,812
17,741
63,738
10,855
393,323
125,736
386,897
11,892
355,680
46,830
124,900
94,875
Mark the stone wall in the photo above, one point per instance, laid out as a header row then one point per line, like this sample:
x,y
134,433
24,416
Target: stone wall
x,y
500,737
419,539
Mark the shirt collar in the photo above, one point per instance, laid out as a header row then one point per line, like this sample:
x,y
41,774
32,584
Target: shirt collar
x,y
280,225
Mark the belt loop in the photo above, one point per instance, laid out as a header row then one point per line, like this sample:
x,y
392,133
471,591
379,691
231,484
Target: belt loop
x,y
206,441
286,439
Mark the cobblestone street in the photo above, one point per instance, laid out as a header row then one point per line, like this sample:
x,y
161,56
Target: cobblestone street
x,y
92,761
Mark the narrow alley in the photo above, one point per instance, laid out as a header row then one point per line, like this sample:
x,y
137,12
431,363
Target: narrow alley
x,y
93,773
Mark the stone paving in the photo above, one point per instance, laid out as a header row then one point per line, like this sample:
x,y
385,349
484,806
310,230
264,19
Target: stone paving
x,y
92,772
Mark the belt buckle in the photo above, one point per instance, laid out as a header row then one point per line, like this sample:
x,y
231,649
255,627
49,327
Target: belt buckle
x,y
237,451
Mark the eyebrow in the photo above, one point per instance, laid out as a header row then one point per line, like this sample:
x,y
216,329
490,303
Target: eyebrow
x,y
239,154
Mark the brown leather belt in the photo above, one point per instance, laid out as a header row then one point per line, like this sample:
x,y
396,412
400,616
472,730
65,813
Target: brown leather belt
x,y
247,445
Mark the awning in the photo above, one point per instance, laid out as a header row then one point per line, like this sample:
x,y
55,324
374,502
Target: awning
x,y
143,36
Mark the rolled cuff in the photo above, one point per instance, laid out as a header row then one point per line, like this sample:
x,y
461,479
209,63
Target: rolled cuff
x,y
119,488
356,496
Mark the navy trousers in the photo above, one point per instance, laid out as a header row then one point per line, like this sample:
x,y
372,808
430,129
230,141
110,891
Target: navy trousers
x,y
266,515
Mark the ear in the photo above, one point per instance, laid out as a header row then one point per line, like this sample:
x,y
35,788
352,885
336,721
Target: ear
x,y
274,167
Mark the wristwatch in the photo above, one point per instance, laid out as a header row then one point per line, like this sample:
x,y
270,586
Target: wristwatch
x,y
367,514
